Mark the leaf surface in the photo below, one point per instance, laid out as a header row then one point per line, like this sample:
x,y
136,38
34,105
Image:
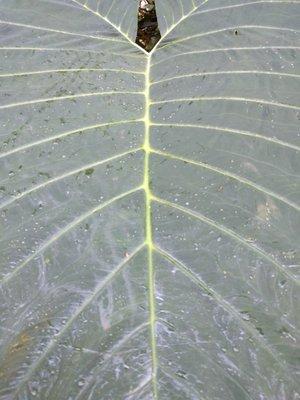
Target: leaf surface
x,y
150,202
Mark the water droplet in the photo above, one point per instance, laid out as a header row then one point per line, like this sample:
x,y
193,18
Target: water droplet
x,y
80,383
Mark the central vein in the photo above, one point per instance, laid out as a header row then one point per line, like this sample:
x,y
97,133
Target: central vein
x,y
148,227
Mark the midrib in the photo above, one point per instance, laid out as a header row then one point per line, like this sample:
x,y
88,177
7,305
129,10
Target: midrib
x,y
148,227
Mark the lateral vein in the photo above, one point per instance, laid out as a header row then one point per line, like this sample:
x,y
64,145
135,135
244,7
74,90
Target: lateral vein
x,y
41,28
230,175
54,342
219,300
64,134
184,39
241,72
87,8
228,232
66,175
226,49
65,230
67,70
228,98
12,48
67,97
234,131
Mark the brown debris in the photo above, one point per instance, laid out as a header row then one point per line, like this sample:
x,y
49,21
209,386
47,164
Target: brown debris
x,y
148,33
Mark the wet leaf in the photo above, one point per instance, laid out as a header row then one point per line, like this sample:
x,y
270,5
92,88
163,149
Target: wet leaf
x,y
149,201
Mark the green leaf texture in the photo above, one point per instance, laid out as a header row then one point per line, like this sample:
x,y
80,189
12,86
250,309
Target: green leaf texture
x,y
149,202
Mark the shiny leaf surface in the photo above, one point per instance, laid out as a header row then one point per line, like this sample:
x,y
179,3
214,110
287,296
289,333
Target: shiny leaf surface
x,y
149,202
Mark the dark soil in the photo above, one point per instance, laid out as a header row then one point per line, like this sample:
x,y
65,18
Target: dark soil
x,y
148,33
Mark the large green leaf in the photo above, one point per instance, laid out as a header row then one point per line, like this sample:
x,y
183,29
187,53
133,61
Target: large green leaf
x,y
150,202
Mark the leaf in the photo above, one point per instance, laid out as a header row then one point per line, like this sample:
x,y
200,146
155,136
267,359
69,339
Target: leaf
x,y
150,211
